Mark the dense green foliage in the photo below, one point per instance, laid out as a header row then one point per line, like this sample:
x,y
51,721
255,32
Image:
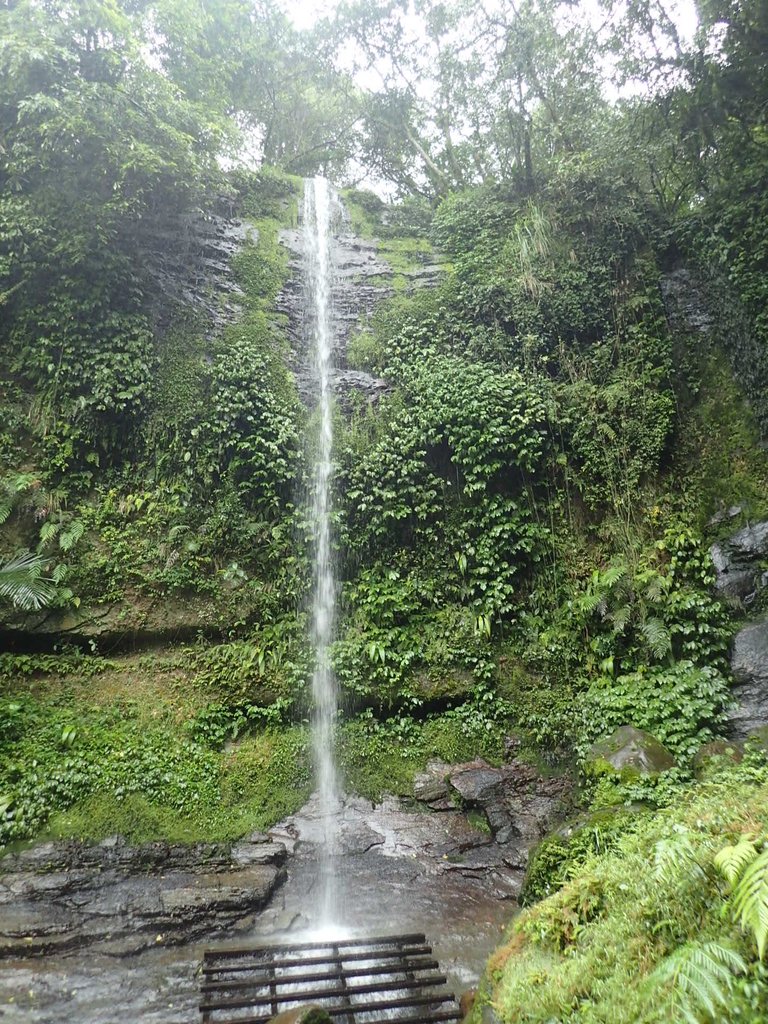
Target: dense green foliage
x,y
662,924
523,521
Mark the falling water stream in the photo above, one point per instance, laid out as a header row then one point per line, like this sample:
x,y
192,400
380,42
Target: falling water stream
x,y
317,215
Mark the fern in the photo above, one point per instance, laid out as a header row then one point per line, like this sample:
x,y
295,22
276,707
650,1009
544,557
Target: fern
x,y
621,617
10,491
49,530
732,860
701,979
676,857
750,900
657,637
72,535
6,506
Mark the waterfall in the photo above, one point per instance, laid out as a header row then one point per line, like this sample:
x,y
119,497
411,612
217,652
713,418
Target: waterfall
x,y
319,202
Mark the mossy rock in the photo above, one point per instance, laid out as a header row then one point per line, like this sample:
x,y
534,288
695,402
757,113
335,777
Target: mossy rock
x,y
630,751
303,1015
559,856
717,750
444,684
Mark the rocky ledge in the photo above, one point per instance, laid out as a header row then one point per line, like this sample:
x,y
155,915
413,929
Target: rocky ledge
x,y
518,803
483,823
62,896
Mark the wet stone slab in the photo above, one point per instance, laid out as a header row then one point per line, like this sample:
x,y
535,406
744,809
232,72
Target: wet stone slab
x,y
108,933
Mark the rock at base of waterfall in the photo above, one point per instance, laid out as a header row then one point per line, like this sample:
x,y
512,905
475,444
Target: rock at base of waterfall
x,y
518,804
62,896
431,786
633,750
749,665
737,561
302,1015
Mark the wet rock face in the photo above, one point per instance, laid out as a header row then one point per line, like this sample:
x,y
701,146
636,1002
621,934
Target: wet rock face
x,y
633,749
520,805
63,896
738,564
749,665
360,285
362,280
684,302
192,266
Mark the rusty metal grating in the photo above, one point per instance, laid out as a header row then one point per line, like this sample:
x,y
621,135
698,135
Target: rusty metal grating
x,y
358,981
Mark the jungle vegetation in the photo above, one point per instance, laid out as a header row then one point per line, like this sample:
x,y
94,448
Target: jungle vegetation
x,y
523,522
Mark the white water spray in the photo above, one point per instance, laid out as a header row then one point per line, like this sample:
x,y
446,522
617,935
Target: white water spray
x,y
319,201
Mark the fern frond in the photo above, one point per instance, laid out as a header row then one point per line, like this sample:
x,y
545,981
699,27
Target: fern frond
x,y
72,535
750,900
621,617
677,857
701,979
655,588
49,530
616,571
732,860
657,637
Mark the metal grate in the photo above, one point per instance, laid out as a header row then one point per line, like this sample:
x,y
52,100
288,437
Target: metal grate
x,y
357,981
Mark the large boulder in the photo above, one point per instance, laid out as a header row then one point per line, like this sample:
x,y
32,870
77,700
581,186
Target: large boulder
x,y
737,562
631,749
431,786
520,804
749,665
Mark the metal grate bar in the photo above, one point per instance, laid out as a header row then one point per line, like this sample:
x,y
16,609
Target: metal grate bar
x,y
376,940
356,981
210,968
365,1010
422,964
308,995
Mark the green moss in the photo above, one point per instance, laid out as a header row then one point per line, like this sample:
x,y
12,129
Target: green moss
x,y
379,757
364,351
89,747
560,857
719,461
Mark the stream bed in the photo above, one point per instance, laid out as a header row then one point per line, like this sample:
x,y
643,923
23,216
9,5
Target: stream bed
x,y
110,933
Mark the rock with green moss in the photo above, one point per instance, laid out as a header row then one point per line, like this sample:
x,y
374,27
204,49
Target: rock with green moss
x,y
559,856
714,751
303,1015
629,750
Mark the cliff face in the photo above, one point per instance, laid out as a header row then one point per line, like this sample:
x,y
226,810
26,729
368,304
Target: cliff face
x,y
233,274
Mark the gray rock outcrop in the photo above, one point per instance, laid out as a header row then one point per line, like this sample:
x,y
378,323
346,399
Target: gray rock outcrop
x,y
520,805
684,302
62,896
749,665
738,560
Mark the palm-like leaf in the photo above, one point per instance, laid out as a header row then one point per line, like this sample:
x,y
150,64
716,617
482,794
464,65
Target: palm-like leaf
x,y
23,584
657,637
750,900
701,979
732,860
